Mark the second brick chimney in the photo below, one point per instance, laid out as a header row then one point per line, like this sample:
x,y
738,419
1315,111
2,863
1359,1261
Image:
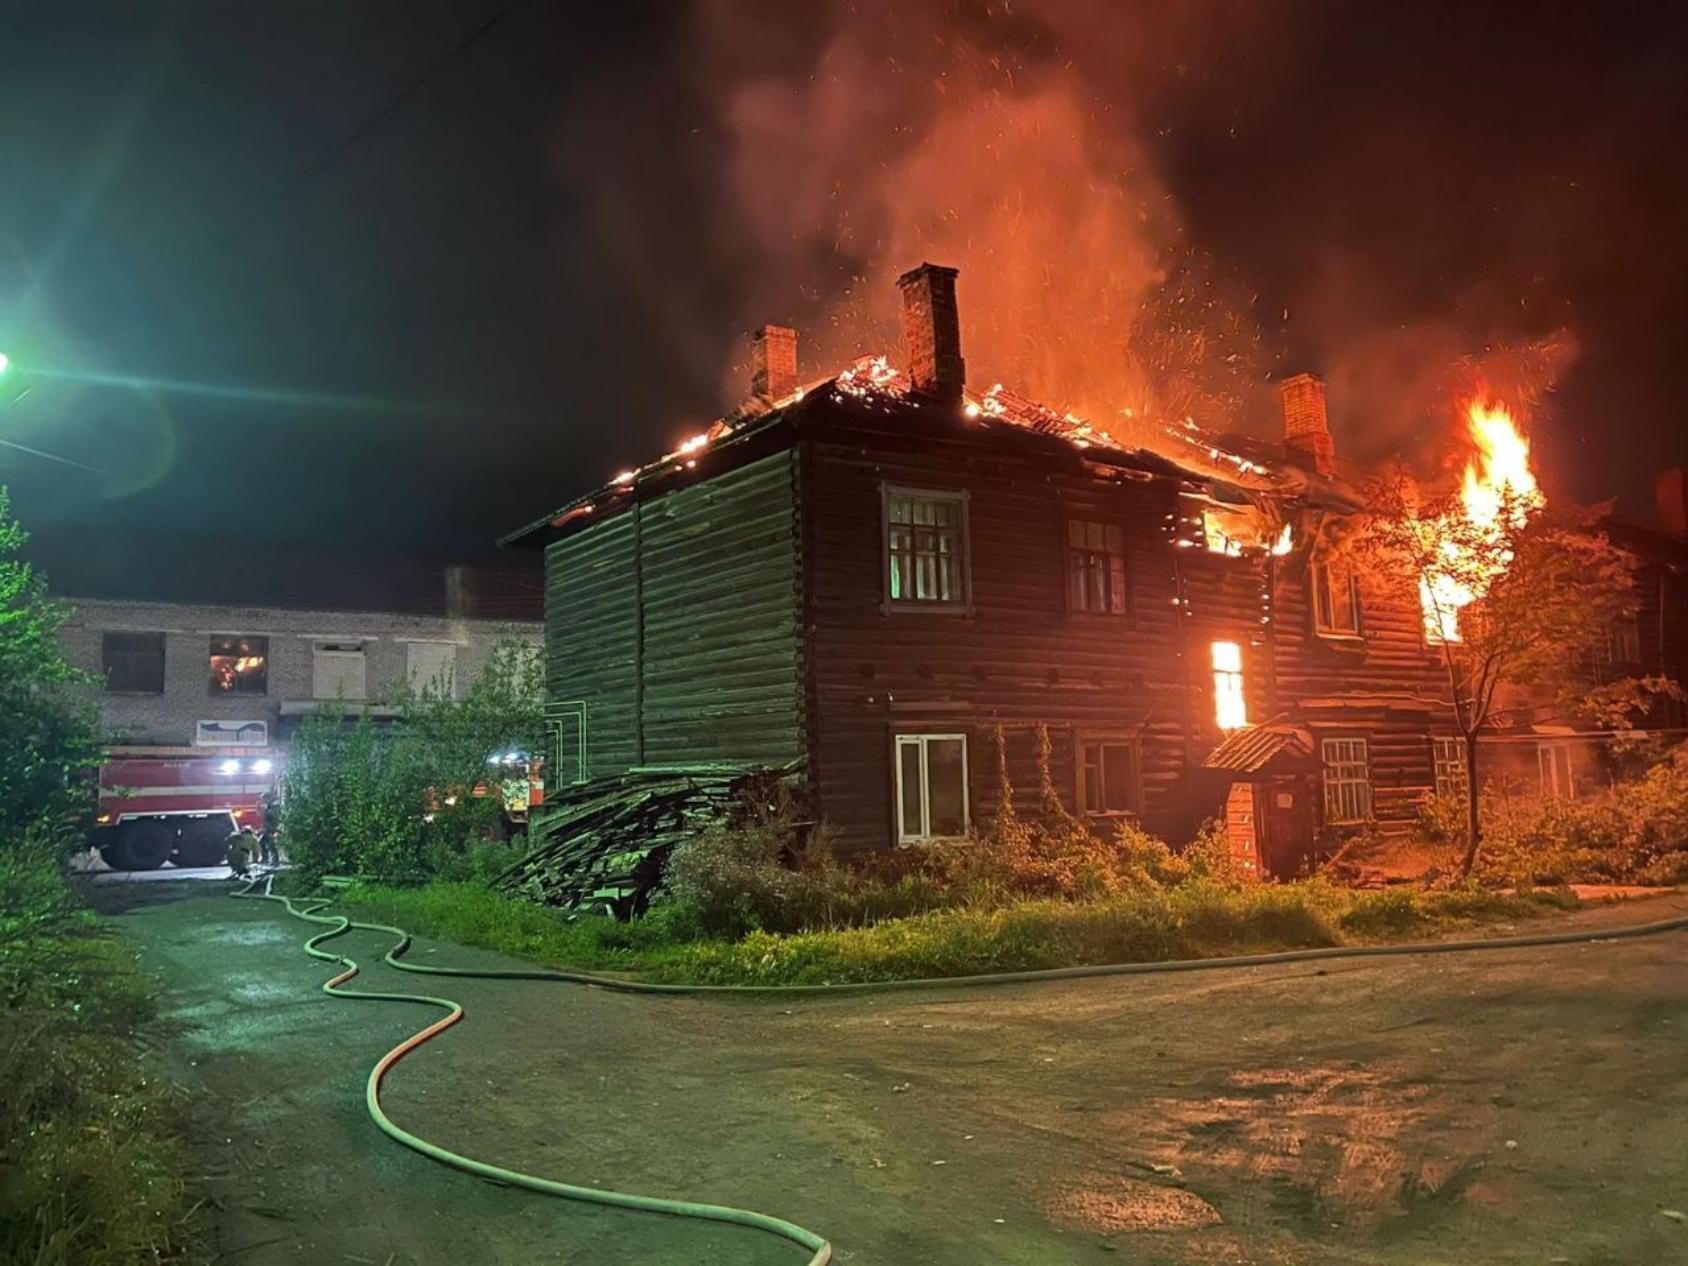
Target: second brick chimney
x,y
932,332
773,362
1306,428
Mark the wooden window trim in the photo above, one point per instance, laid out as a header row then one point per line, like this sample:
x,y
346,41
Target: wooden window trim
x,y
901,738
1318,583
1437,764
915,606
1127,594
1110,739
1369,808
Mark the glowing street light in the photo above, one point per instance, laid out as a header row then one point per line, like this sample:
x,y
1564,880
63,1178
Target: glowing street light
x,y
14,385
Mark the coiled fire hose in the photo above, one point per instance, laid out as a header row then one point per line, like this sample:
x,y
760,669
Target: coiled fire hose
x,y
817,1246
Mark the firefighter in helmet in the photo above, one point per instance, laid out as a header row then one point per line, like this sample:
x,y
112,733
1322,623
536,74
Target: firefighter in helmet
x,y
268,852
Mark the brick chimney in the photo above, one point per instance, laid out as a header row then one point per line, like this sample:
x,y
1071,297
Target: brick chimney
x,y
1673,505
932,332
1306,428
773,362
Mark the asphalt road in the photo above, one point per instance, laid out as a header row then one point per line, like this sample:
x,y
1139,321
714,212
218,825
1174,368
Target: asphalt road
x,y
1520,1106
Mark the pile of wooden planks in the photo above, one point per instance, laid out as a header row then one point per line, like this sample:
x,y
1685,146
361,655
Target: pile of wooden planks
x,y
602,847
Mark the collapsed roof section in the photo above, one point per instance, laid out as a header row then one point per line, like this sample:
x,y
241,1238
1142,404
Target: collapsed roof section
x,y
1221,471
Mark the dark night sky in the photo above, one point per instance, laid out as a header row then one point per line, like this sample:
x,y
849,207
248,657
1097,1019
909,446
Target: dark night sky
x,y
328,304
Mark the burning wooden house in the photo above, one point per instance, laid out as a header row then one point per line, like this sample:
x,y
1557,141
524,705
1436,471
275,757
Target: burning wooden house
x,y
863,578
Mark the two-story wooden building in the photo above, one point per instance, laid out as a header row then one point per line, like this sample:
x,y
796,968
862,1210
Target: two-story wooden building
x,y
862,577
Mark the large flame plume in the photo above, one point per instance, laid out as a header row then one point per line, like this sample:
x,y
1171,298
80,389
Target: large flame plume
x,y
1498,495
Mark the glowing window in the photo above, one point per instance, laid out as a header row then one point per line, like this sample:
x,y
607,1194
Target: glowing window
x,y
240,665
1216,539
1230,709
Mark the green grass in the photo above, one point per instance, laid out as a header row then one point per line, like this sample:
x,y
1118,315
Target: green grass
x,y
91,1166
1193,920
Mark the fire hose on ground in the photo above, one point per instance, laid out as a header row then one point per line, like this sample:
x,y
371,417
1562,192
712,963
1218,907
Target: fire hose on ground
x,y
817,1246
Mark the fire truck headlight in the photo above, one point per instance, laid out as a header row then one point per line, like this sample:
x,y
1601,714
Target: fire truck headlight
x,y
261,766
229,767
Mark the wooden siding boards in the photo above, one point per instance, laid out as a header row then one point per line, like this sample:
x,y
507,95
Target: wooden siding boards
x,y
677,623
723,666
591,638
1017,657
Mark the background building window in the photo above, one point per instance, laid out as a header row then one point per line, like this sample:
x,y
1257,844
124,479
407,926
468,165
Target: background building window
x,y
240,665
133,663
1449,757
337,671
931,774
1347,780
1336,600
1108,775
1230,707
1095,567
433,664
925,535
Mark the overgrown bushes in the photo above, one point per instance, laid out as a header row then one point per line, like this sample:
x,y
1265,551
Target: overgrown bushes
x,y
90,1170
418,796
90,1167
1632,832
767,869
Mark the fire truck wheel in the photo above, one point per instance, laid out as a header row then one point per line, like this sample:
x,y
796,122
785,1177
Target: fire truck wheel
x,y
202,843
147,844
116,855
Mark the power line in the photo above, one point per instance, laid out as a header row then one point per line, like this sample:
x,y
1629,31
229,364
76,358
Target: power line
x,y
323,163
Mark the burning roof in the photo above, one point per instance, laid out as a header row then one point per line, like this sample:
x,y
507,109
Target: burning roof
x,y
1226,469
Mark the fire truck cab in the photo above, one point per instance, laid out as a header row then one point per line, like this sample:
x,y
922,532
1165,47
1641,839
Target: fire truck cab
x,y
180,805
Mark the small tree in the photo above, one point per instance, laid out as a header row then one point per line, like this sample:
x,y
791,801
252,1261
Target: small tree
x,y
46,735
1523,598
395,799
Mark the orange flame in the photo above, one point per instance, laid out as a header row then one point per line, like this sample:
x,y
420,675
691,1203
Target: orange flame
x,y
1498,481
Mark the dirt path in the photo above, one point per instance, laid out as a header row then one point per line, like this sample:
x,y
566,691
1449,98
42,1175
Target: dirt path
x,y
1519,1106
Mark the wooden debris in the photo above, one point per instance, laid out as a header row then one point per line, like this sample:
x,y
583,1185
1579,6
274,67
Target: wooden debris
x,y
602,847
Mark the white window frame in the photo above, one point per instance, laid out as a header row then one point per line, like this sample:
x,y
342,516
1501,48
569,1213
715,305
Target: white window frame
x,y
1322,579
924,835
567,717
1447,761
1556,771
1347,793
344,651
962,602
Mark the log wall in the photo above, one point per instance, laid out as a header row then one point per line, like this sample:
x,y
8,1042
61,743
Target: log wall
x,y
676,622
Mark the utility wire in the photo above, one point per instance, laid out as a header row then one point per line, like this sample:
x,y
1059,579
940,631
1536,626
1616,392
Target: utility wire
x,y
323,163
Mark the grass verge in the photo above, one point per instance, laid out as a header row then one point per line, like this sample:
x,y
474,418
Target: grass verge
x,y
1195,920
91,1167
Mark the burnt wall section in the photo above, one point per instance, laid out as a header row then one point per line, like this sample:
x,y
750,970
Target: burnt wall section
x,y
676,624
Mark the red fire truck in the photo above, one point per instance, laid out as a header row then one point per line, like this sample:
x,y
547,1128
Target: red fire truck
x,y
160,804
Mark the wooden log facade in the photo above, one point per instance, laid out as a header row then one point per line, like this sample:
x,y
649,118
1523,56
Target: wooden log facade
x,y
866,584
